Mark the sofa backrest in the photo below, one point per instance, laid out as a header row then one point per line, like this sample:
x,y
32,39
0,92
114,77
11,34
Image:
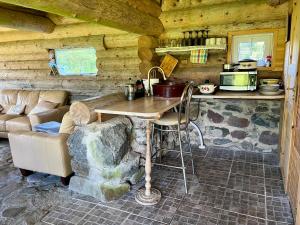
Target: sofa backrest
x,y
31,98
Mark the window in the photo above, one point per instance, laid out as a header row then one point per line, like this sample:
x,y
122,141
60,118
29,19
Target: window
x,y
252,46
76,61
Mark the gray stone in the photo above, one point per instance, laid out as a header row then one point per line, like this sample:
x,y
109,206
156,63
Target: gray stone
x,y
261,109
13,212
234,108
218,131
248,146
214,117
269,138
238,122
265,120
221,141
276,111
227,113
76,148
110,162
239,134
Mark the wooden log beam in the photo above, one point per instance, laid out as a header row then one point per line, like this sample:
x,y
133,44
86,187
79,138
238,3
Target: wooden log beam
x,y
25,21
147,6
276,2
236,12
113,13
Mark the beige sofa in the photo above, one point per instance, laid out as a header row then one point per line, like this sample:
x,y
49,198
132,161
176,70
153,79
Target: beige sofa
x,y
42,152
25,122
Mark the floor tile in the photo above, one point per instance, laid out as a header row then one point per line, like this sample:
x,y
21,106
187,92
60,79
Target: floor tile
x,y
161,212
275,188
244,203
70,212
273,172
278,209
271,159
206,195
249,157
231,218
213,164
170,187
220,153
213,177
199,152
251,184
194,214
250,169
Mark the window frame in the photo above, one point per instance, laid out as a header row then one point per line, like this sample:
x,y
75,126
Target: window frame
x,y
232,34
85,76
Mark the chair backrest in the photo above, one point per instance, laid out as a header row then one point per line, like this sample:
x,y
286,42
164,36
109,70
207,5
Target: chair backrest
x,y
185,103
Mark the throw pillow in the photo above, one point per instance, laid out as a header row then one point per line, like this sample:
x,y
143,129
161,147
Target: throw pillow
x,y
16,110
67,125
43,106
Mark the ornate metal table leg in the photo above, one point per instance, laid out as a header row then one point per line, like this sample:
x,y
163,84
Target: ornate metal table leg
x,y
201,146
148,195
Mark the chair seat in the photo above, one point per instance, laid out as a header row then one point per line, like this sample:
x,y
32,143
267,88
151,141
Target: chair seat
x,y
170,119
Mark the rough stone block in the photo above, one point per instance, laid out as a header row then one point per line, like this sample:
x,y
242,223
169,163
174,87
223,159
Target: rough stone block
x,y
269,138
238,122
234,108
239,134
215,117
265,120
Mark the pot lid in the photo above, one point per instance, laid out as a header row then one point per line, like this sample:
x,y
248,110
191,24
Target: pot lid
x,y
247,60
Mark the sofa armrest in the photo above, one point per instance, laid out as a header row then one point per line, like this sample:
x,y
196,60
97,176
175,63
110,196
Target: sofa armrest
x,y
50,115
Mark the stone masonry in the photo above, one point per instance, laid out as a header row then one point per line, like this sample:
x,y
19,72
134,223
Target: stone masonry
x,y
104,164
249,125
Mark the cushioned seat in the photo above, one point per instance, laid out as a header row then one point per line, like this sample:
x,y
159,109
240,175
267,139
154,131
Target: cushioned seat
x,y
18,124
3,120
170,119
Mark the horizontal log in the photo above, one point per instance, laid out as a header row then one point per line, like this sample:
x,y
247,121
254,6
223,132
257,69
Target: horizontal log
x,y
24,74
224,14
113,13
144,67
23,57
25,21
222,30
147,6
276,2
23,65
130,52
147,54
121,41
62,31
118,62
42,45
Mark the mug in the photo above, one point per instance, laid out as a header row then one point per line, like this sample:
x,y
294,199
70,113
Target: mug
x,y
212,41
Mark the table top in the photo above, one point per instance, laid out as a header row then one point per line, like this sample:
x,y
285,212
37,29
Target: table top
x,y
238,95
146,107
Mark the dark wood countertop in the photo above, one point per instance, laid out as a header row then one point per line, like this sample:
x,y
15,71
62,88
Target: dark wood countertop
x,y
238,95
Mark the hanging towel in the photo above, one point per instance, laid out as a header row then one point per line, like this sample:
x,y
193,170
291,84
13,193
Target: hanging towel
x,y
199,56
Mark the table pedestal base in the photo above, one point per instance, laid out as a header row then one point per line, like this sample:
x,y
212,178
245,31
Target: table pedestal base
x,y
151,199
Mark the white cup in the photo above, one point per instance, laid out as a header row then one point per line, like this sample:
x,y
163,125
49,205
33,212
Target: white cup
x,y
224,41
212,41
207,42
218,41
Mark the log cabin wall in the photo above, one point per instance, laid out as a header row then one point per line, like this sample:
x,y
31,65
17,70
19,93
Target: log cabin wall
x,y
221,17
24,59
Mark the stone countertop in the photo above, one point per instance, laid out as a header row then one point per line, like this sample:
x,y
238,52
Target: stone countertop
x,y
238,95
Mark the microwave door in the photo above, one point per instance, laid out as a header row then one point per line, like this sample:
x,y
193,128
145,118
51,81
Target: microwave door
x,y
235,80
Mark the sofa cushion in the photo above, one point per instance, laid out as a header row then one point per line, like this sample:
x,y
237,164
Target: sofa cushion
x,y
67,125
29,99
18,124
16,110
59,97
8,98
3,120
43,106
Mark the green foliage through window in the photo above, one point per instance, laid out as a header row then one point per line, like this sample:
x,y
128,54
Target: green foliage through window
x,y
76,61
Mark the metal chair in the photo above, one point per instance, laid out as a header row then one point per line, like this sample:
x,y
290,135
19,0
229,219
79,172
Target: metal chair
x,y
180,120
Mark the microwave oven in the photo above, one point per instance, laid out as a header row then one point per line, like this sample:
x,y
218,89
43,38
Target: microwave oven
x,y
238,81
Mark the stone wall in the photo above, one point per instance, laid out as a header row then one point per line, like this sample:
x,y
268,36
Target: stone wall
x,y
250,125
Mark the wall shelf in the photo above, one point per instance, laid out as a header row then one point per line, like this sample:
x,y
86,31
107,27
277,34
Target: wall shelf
x,y
187,49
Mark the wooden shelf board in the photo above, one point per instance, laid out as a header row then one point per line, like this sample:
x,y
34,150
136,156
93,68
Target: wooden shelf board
x,y
188,49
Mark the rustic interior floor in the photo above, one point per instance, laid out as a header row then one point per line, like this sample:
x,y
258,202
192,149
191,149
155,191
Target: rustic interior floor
x,y
229,188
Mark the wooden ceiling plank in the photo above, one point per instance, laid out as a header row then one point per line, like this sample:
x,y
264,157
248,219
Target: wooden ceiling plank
x,y
113,13
25,21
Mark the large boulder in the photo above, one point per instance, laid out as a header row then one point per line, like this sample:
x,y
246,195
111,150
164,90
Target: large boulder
x,y
104,164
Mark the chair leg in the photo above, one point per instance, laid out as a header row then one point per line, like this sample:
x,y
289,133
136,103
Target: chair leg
x,y
190,148
26,173
66,180
182,160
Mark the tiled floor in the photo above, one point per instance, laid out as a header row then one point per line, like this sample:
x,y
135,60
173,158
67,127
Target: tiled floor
x,y
229,188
